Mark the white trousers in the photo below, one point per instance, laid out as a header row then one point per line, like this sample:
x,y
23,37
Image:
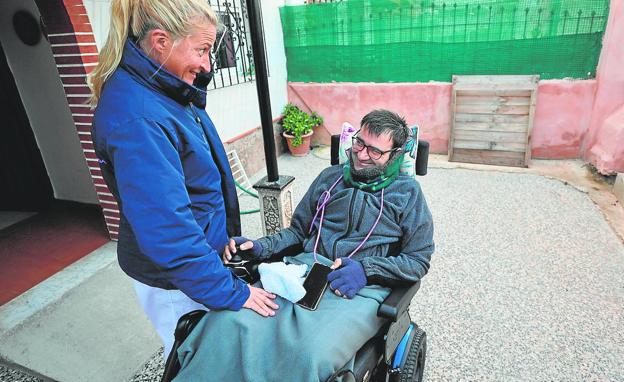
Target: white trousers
x,y
164,308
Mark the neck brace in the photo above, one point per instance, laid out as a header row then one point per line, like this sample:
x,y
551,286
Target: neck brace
x,y
382,181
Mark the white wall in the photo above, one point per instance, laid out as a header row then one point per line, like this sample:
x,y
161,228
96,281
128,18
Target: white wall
x,y
233,109
42,94
99,16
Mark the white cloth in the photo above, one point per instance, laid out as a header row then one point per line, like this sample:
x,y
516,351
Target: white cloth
x,y
164,308
285,280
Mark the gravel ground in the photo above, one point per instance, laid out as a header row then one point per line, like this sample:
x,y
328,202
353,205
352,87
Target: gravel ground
x,y
153,369
11,375
526,282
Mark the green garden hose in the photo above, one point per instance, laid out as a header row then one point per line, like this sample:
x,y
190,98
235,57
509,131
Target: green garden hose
x,y
240,187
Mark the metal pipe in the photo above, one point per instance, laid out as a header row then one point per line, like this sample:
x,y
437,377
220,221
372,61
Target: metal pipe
x,y
262,87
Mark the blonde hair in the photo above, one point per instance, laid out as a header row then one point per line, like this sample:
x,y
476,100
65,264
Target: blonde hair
x,y
137,18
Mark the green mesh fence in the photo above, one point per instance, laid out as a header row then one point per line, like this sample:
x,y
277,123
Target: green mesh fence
x,y
419,41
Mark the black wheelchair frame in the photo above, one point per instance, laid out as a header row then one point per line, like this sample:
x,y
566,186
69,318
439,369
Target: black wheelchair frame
x,y
396,353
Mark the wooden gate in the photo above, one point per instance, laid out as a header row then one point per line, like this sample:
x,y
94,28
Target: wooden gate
x,y
492,119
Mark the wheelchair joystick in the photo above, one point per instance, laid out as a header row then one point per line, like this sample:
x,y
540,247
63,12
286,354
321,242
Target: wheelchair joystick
x,y
243,267
242,255
236,259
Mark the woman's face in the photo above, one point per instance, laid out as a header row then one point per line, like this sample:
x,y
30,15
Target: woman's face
x,y
190,55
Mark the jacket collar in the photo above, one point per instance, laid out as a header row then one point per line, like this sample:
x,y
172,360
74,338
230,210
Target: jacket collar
x,y
142,67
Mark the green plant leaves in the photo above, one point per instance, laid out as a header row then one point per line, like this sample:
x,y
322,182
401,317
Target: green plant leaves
x,y
297,122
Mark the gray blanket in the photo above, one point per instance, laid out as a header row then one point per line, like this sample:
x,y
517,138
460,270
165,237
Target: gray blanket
x,y
294,345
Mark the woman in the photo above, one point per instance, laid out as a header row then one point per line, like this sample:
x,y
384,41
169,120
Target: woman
x,y
163,160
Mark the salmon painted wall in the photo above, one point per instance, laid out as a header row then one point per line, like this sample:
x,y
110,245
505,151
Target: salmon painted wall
x,y
425,104
604,146
561,121
562,116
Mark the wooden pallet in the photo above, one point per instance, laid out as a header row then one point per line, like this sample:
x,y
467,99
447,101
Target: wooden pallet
x,y
492,119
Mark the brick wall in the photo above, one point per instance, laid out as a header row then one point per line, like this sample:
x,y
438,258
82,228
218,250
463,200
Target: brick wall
x,y
250,148
75,53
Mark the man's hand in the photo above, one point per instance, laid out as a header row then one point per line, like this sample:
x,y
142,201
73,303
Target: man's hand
x,y
261,302
347,278
244,244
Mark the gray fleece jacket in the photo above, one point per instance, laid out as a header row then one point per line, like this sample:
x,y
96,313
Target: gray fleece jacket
x,y
399,249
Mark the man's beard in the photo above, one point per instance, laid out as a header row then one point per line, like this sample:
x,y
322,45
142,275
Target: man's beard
x,y
368,174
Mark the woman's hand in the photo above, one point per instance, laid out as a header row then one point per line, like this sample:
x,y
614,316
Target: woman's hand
x,y
261,302
253,247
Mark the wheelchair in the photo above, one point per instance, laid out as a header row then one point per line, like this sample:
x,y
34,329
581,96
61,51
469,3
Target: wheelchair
x,y
396,353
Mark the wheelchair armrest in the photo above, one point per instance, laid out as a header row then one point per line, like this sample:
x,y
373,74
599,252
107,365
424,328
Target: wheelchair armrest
x,y
397,302
185,326
187,323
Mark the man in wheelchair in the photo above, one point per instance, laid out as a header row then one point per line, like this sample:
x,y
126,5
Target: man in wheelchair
x,y
367,221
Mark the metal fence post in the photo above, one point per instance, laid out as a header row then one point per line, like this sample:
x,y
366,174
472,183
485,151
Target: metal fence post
x,y
275,191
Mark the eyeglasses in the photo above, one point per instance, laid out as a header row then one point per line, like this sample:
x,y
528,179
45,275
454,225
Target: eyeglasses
x,y
372,151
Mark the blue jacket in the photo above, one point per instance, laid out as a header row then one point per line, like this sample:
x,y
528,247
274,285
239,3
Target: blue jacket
x,y
164,162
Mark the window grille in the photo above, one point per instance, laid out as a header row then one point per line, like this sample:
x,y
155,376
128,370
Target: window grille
x,y
234,60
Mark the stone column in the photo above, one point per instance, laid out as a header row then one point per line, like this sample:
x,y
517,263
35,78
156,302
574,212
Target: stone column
x,y
276,203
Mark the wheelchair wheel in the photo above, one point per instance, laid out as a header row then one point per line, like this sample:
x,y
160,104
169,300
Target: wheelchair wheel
x,y
414,366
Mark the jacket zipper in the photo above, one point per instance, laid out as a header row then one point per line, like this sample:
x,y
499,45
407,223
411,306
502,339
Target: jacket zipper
x,y
351,203
198,120
359,222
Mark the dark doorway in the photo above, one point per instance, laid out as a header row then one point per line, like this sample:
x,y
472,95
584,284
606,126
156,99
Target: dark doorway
x,y
39,235
24,182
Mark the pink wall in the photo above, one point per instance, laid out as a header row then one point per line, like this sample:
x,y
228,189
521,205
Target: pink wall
x,y
604,146
427,104
561,117
607,154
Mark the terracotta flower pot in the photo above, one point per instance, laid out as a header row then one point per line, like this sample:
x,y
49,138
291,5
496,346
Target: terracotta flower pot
x,y
303,149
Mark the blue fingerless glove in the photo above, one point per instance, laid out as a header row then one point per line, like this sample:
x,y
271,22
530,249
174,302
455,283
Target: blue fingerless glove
x,y
253,252
349,278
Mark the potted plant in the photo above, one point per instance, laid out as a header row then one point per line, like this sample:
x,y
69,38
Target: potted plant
x,y
298,125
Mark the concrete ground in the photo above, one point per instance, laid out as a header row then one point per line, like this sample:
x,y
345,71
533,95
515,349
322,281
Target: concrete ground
x,y
525,284
82,324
